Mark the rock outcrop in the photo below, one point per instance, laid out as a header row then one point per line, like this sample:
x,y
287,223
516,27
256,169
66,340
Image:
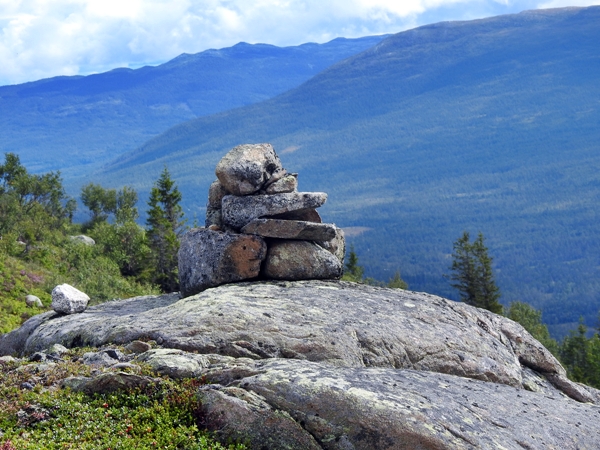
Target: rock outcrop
x,y
340,365
255,196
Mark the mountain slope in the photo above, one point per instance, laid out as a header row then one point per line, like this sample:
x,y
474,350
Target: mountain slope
x,y
488,125
76,123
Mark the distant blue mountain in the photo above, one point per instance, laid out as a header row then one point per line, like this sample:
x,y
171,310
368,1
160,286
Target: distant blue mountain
x,y
75,124
489,125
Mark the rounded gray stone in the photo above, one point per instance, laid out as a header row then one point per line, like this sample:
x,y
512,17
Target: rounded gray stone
x,y
300,260
32,300
247,168
68,300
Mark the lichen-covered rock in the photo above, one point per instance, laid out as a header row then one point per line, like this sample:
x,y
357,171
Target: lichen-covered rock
x,y
288,183
68,300
340,323
213,218
336,245
174,363
291,229
368,408
210,258
239,211
235,414
247,168
107,383
300,260
216,192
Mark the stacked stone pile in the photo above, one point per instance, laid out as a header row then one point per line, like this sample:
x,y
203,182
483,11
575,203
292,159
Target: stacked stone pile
x,y
259,226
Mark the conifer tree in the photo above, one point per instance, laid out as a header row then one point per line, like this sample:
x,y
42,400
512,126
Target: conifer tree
x,y
165,225
472,274
352,271
396,282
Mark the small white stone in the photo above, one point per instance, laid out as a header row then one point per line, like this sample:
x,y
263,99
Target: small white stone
x,y
68,300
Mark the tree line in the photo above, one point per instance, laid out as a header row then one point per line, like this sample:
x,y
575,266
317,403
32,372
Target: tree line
x,y
472,275
37,249
148,254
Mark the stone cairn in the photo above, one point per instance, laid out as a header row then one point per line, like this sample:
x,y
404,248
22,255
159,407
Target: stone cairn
x,y
259,226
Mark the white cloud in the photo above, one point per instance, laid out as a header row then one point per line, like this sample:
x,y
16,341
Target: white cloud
x,y
42,38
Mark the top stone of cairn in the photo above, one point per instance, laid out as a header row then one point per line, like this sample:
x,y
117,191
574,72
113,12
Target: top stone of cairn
x,y
248,168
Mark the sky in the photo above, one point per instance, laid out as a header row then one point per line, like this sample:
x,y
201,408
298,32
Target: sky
x,y
46,38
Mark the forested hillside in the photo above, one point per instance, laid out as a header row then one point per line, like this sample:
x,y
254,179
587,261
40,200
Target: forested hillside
x,y
488,125
75,124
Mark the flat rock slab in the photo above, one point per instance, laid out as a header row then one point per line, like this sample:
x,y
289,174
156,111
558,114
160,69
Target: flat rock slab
x,y
362,408
306,215
210,258
239,211
247,168
341,323
300,260
291,229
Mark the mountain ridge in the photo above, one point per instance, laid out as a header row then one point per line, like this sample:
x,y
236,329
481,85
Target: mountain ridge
x,y
76,123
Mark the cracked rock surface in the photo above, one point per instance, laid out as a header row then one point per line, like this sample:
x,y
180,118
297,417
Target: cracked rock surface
x,y
382,368
362,408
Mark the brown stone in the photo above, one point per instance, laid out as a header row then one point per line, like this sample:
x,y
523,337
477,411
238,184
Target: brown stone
x,y
138,347
209,258
300,260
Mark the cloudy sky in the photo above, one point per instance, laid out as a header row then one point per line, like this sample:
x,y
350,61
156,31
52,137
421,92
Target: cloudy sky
x,y
44,38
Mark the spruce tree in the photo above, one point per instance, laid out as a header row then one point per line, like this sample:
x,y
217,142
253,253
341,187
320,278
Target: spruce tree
x,y
165,225
472,274
352,271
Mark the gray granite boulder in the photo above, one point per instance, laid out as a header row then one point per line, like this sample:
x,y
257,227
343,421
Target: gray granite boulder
x,y
340,323
361,408
291,229
247,168
336,365
209,258
300,260
68,300
239,211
